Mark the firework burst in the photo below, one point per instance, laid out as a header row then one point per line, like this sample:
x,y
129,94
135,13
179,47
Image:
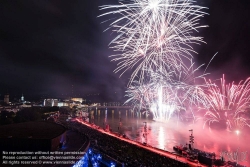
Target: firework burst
x,y
154,41
155,34
228,104
164,96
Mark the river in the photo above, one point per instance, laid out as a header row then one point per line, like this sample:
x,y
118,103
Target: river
x,y
165,135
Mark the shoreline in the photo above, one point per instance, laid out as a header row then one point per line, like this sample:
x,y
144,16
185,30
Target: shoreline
x,y
154,150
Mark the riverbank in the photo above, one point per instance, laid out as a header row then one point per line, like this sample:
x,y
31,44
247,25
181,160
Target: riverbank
x,y
126,151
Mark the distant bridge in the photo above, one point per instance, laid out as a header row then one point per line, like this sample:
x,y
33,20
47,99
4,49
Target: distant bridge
x,y
108,107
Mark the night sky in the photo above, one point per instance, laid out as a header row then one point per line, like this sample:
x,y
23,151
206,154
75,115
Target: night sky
x,y
46,46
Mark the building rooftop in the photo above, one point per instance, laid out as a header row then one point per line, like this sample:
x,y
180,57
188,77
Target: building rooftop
x,y
37,130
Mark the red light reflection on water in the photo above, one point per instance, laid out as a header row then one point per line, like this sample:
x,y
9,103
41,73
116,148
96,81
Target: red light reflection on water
x,y
165,135
165,153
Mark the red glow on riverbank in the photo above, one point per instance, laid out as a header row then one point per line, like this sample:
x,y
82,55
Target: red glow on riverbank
x,y
148,147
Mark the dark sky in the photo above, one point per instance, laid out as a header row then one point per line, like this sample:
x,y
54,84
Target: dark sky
x,y
46,46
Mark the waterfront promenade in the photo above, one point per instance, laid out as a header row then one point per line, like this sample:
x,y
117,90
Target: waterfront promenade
x,y
162,158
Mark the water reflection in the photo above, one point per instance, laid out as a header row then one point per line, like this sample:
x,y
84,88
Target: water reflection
x,y
161,138
165,135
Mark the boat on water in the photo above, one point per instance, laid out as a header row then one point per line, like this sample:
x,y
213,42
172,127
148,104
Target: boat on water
x,y
180,149
200,156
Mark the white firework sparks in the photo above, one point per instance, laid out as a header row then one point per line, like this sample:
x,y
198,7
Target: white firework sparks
x,y
154,41
228,104
165,97
155,34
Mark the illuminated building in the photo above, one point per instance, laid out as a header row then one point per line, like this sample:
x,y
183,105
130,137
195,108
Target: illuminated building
x,y
77,99
50,102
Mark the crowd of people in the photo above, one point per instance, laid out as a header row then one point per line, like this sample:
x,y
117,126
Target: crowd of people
x,y
125,154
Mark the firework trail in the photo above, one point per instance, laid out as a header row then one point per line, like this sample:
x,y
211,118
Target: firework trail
x,y
228,104
165,97
154,41
155,34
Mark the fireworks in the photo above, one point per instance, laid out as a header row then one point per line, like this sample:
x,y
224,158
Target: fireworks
x,y
228,104
154,42
155,34
164,97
